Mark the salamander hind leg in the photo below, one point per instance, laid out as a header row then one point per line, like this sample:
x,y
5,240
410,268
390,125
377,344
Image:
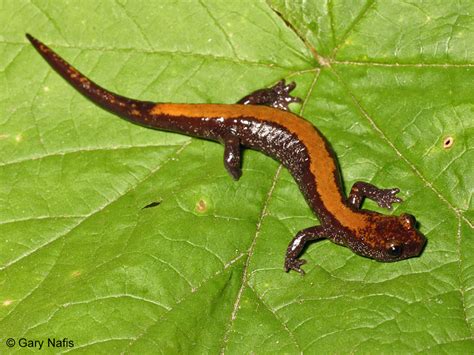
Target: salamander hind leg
x,y
384,197
292,262
232,157
278,96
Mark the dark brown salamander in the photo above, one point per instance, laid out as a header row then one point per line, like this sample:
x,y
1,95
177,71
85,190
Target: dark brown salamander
x,y
261,121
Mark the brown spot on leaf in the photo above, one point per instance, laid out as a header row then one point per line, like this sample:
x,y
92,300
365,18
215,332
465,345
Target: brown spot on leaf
x,y
7,302
76,273
201,206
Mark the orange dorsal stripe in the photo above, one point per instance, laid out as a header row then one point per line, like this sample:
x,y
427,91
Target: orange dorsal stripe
x,y
322,163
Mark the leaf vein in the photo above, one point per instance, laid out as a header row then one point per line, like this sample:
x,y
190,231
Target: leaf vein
x,y
49,242
249,253
398,152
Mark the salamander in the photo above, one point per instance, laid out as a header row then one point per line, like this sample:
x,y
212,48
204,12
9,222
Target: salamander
x,y
262,121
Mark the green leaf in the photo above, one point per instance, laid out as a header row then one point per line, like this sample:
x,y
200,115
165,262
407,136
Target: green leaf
x,y
390,85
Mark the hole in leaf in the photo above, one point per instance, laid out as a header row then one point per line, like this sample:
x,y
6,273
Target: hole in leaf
x,y
448,142
153,204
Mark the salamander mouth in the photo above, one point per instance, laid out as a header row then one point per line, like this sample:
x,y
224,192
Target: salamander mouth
x,y
421,245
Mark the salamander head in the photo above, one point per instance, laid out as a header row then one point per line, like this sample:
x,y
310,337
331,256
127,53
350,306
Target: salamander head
x,y
389,238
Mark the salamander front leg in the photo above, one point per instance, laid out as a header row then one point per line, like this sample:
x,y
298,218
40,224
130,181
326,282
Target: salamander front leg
x,y
232,157
297,244
278,96
384,197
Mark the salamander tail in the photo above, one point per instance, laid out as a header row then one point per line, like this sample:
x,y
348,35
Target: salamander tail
x,y
110,101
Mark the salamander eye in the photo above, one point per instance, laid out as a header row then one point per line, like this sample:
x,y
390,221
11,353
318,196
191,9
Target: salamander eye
x,y
408,220
395,250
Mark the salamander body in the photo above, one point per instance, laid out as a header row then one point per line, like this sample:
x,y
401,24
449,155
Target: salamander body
x,y
262,121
